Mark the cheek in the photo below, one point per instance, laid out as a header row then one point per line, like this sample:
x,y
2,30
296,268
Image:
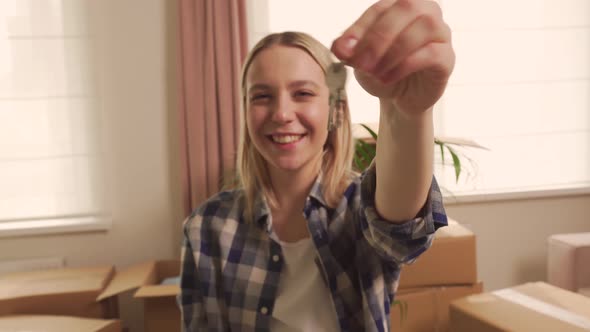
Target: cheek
x,y
317,117
252,126
254,120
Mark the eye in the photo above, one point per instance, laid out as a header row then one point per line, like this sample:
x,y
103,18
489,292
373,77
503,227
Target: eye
x,y
304,93
260,97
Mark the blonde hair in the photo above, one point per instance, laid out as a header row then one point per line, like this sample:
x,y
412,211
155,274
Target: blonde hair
x,y
338,150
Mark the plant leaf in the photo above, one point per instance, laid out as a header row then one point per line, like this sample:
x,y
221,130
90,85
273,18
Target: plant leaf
x,y
358,162
373,134
442,150
403,310
456,163
367,128
366,150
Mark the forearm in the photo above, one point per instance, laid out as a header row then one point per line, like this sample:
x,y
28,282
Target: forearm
x,y
404,162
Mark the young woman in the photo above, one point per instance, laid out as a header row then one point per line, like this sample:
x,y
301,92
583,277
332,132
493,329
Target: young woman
x,y
304,244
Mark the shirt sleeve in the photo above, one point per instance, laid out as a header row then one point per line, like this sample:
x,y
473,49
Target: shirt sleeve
x,y
399,242
190,300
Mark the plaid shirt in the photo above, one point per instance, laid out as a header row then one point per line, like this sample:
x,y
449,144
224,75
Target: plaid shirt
x,y
231,269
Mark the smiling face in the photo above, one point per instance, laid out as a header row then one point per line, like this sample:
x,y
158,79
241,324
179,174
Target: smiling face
x,y
287,108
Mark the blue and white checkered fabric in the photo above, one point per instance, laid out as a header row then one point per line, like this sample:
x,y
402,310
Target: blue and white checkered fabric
x,y
231,269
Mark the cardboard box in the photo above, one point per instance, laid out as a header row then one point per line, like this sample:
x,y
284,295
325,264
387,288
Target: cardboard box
x,y
567,261
67,292
427,309
161,313
451,260
92,292
32,323
530,307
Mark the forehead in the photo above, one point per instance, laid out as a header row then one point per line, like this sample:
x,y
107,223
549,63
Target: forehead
x,y
279,64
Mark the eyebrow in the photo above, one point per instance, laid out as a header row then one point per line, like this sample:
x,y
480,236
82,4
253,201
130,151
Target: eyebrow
x,y
294,84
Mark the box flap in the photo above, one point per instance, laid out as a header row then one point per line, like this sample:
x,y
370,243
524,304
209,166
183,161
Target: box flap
x,y
130,278
167,269
55,281
157,291
528,307
41,323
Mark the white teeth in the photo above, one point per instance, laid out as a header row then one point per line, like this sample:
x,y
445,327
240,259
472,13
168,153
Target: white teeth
x,y
283,139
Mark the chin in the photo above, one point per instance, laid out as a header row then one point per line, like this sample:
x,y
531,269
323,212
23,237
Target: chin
x,y
289,165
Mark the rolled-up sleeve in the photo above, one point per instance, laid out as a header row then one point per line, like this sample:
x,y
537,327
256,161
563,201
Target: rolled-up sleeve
x,y
190,300
399,242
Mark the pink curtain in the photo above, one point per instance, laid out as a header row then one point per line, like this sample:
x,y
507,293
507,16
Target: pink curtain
x,y
213,45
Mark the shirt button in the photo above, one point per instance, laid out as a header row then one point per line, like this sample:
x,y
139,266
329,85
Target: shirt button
x,y
275,258
264,310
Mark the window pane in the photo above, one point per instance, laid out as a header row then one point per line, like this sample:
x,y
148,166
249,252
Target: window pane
x,y
521,85
49,160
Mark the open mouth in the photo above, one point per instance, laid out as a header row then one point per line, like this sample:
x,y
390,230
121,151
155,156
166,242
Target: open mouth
x,y
286,139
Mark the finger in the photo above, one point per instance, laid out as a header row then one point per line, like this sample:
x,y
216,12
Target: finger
x,y
423,31
382,34
379,36
343,46
436,58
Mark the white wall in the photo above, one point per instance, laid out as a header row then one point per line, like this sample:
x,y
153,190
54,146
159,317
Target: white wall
x,y
136,58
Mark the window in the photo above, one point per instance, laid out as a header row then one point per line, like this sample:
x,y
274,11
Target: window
x,y
49,124
521,87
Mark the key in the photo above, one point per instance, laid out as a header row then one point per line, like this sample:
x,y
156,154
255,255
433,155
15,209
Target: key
x,y
336,81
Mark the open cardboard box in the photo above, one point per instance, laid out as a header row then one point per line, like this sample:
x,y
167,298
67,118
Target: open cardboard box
x,y
42,323
67,291
161,313
534,306
451,260
427,309
92,292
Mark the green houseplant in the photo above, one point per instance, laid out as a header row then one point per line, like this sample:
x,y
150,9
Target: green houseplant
x,y
365,151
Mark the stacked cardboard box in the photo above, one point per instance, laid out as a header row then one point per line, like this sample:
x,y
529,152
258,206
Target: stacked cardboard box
x,y
92,293
445,272
567,261
529,307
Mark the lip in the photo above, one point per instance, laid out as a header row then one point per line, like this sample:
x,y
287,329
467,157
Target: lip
x,y
286,146
285,134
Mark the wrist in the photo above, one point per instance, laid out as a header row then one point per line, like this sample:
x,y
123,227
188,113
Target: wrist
x,y
391,112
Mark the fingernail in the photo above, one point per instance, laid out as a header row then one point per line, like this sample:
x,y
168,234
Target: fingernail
x,y
348,45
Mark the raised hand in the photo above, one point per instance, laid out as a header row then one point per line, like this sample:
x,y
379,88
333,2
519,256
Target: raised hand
x,y
401,52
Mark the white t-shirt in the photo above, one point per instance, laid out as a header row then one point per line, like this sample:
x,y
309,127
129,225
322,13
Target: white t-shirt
x,y
303,300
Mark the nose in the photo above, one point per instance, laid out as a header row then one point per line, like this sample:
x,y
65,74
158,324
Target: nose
x,y
283,110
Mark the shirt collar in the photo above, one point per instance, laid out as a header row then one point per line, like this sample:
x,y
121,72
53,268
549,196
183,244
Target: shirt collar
x,y
262,210
317,192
